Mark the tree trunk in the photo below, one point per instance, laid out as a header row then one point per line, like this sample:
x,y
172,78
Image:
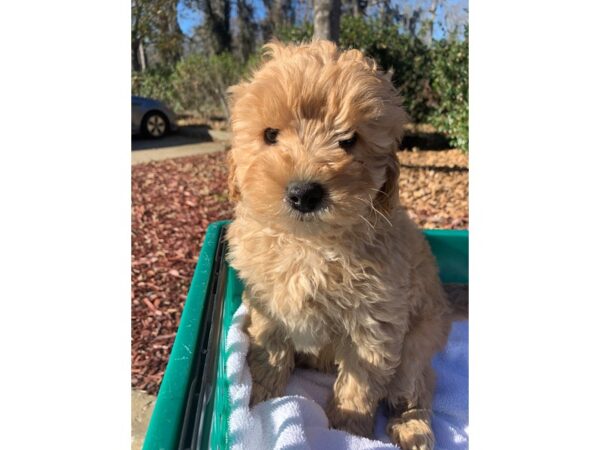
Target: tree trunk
x,y
247,29
359,7
135,63
142,56
432,12
327,20
216,24
280,13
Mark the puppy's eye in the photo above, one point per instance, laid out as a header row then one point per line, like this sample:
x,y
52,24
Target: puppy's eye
x,y
271,136
347,144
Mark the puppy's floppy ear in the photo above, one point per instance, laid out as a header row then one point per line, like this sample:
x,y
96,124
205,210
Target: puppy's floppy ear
x,y
388,196
232,186
234,94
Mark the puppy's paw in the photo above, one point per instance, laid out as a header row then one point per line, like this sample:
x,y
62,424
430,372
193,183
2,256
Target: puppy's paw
x,y
259,394
353,422
411,432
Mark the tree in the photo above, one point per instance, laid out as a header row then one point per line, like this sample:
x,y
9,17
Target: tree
x,y
280,13
410,19
247,29
327,19
359,7
216,29
431,21
154,24
168,38
140,29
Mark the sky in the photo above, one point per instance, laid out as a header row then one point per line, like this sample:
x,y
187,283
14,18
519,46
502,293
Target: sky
x,y
189,19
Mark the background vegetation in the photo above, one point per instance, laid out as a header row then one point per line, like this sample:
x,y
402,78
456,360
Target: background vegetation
x,y
192,73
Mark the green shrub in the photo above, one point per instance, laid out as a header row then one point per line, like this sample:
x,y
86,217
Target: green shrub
x,y
198,83
450,82
295,34
155,83
285,33
201,82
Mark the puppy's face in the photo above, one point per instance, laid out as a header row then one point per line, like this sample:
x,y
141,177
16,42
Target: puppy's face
x,y
315,134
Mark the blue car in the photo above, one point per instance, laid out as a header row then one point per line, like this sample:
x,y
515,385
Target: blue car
x,y
151,118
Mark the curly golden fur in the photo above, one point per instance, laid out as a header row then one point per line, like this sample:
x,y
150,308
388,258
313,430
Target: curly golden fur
x,y
352,287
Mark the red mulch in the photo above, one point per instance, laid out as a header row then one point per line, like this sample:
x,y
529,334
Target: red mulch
x,y
173,202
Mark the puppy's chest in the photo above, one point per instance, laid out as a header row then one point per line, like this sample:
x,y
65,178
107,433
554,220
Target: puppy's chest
x,y
306,279
311,293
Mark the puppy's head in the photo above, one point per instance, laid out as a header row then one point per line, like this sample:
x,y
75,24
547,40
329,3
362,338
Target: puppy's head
x,y
315,134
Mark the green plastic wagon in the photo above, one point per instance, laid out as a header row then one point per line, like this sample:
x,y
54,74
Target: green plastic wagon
x,y
192,407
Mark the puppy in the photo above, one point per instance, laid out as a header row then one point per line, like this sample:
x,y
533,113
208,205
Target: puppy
x,y
336,274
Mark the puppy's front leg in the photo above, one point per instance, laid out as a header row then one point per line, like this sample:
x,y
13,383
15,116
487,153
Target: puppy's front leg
x,y
362,378
270,358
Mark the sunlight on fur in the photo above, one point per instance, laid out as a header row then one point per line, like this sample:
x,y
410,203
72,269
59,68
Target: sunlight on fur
x,y
337,276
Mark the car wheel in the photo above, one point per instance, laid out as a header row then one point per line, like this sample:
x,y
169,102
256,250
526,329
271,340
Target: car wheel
x,y
155,125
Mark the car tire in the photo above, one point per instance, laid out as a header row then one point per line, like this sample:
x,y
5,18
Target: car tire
x,y
155,125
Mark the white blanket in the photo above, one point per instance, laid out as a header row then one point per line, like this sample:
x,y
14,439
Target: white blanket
x,y
297,420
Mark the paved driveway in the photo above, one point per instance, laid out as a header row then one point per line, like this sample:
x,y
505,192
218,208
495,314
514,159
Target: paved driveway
x,y
187,141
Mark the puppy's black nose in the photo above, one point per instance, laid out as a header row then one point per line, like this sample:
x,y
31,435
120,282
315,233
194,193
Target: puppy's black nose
x,y
305,197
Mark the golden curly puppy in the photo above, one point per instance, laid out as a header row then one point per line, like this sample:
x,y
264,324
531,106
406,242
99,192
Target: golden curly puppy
x,y
336,274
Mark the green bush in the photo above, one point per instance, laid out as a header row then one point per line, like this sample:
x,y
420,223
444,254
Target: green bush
x,y
296,34
450,82
201,82
198,83
156,83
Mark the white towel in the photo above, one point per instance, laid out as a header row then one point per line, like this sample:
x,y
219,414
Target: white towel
x,y
297,420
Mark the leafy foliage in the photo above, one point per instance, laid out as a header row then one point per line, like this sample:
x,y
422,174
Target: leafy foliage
x,y
198,83
155,22
450,80
157,83
201,82
295,33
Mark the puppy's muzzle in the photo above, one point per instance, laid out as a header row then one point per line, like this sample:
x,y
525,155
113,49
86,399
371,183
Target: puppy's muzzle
x,y
305,196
